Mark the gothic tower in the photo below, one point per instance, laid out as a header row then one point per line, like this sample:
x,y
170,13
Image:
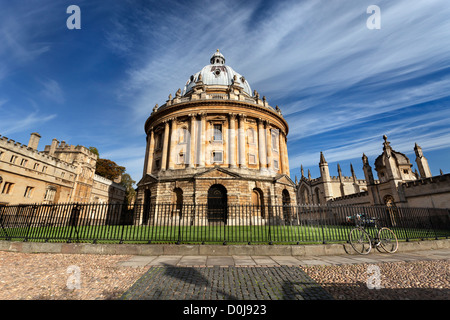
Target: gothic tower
x,y
422,163
325,174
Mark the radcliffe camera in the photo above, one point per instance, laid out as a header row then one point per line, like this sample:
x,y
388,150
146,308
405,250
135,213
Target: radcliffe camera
x,y
224,158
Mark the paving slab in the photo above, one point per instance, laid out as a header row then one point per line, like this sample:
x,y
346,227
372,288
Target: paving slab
x,y
243,261
137,261
338,260
264,261
219,261
192,261
313,262
365,259
286,260
165,261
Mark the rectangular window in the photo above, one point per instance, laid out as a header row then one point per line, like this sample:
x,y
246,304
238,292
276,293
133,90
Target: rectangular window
x,y
274,140
275,164
23,162
50,194
251,159
28,192
36,166
158,142
13,159
7,188
217,132
44,169
251,136
217,156
157,164
181,158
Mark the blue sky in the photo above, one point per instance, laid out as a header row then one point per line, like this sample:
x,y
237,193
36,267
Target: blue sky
x,y
340,86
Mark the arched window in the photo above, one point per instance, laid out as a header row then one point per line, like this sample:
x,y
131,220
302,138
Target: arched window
x,y
317,195
257,203
304,195
182,135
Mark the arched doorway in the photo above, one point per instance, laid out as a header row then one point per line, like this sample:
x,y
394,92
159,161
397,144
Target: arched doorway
x,y
286,200
147,206
257,203
217,204
178,200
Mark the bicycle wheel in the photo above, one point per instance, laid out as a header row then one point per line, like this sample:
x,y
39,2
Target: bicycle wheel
x,y
360,241
388,240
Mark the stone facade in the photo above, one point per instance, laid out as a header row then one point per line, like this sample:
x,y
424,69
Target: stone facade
x,y
328,188
397,184
216,140
106,191
61,173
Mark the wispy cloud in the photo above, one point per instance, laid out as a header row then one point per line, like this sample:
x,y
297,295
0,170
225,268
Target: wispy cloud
x,y
339,85
52,91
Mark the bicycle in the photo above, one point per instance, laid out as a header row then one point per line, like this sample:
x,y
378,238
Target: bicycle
x,y
362,242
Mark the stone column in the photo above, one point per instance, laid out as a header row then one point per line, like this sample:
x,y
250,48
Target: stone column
x,y
280,152
173,144
269,147
165,146
147,147
192,149
202,141
261,145
242,162
150,150
232,140
285,156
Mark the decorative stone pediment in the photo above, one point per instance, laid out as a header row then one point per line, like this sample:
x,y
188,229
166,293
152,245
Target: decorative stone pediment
x,y
282,178
148,178
217,172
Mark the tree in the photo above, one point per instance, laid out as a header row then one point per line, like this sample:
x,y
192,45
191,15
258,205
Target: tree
x,y
109,169
95,151
127,182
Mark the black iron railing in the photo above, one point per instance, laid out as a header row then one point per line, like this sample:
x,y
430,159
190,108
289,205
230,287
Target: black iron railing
x,y
198,223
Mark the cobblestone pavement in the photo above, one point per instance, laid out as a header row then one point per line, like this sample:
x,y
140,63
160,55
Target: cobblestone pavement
x,y
226,283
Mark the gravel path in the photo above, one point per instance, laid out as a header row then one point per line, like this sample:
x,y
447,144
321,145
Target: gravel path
x,y
25,276
411,280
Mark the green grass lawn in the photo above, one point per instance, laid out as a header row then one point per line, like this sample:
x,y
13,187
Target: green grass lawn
x,y
199,234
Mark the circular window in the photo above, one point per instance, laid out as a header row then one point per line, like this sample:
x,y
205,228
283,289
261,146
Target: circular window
x,y
217,72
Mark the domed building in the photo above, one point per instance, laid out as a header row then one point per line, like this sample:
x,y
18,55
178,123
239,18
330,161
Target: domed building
x,y
216,141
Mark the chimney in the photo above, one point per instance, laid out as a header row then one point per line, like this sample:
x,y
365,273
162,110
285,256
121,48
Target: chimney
x,y
53,147
34,140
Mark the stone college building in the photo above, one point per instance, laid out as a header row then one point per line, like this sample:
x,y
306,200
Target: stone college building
x,y
60,173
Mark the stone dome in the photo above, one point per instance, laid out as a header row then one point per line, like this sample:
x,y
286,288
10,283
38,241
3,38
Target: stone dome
x,y
218,74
